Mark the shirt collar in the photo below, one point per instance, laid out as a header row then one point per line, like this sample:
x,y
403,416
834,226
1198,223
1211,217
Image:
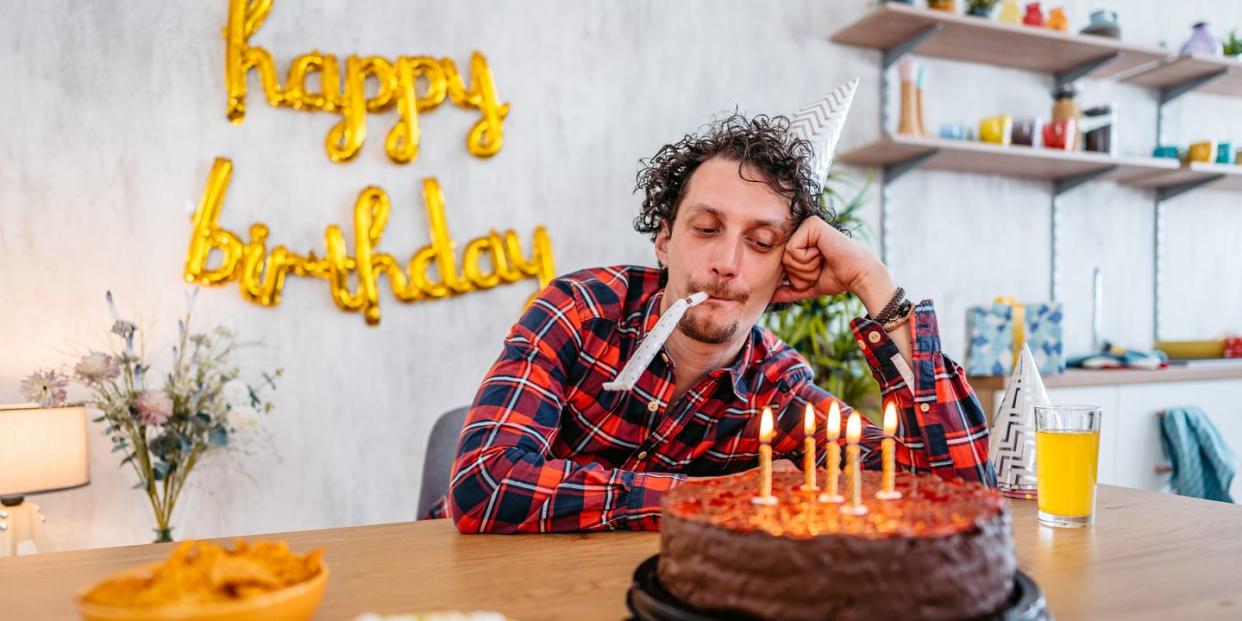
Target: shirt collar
x,y
736,370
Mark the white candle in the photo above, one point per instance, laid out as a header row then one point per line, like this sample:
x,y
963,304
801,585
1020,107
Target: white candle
x,y
833,476
888,446
808,449
853,455
766,432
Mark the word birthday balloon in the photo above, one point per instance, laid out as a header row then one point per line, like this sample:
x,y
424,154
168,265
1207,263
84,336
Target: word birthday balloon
x,y
397,80
261,274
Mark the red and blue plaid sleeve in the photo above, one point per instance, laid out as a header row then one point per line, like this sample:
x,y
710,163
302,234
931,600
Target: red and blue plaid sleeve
x,y
505,478
942,428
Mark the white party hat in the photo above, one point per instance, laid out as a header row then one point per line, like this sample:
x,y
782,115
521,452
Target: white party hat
x,y
1012,445
821,123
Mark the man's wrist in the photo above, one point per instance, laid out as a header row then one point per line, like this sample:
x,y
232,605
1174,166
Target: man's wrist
x,y
875,290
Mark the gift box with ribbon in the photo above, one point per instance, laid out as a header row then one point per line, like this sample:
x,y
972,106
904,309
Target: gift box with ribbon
x,y
997,333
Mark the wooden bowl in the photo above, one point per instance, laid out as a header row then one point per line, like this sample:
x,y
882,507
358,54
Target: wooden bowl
x,y
292,603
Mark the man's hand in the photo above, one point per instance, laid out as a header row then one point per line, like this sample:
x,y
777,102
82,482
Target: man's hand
x,y
820,260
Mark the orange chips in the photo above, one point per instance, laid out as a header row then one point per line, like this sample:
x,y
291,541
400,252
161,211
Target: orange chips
x,y
201,572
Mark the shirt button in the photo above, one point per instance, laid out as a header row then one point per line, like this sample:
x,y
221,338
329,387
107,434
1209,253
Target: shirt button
x,y
642,455
924,407
652,406
874,337
862,344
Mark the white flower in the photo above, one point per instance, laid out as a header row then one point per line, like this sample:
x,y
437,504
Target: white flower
x,y
97,367
235,393
45,387
243,418
153,408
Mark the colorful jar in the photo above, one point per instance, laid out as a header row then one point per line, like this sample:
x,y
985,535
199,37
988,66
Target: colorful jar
x,y
1034,15
1010,12
1057,19
1202,42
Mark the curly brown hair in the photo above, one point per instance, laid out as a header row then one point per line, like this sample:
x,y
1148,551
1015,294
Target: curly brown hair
x,y
781,159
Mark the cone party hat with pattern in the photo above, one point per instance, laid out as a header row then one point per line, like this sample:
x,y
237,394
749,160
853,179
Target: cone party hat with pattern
x,y
1013,430
821,122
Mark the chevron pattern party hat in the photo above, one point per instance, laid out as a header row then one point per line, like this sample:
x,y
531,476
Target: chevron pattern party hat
x,y
821,122
1012,446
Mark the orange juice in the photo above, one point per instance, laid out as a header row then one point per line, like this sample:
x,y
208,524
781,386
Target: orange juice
x,y
1065,464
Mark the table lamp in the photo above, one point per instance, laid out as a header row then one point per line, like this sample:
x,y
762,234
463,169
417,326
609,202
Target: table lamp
x,y
41,450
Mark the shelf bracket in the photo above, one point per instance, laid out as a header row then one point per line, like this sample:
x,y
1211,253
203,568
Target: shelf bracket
x,y
1177,90
893,54
1065,184
893,172
1073,73
1165,193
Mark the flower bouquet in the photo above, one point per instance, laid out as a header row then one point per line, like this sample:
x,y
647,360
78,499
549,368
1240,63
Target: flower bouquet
x,y
163,429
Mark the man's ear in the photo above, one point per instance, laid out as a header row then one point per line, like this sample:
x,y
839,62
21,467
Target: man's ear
x,y
661,244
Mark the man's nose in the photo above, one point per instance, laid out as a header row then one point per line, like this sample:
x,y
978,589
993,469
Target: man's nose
x,y
725,258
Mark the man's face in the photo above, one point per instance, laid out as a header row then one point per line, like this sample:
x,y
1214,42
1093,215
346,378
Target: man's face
x,y
727,240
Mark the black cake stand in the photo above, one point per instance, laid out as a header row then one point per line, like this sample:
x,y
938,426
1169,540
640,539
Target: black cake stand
x,y
648,600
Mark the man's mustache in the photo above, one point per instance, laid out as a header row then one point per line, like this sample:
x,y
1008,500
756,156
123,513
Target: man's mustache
x,y
719,290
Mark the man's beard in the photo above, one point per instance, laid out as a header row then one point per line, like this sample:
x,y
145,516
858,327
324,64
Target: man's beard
x,y
702,331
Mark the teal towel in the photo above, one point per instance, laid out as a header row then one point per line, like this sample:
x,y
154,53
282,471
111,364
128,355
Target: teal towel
x,y
1203,464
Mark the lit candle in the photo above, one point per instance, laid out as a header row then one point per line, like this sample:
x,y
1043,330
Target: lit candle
x,y
853,454
833,475
808,450
766,432
888,446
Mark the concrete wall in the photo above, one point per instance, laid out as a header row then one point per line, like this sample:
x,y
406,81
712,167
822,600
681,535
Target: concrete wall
x,y
113,112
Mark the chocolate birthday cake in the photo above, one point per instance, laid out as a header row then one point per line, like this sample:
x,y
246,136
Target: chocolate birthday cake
x,y
944,550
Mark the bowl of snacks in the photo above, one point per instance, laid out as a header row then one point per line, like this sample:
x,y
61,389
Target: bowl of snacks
x,y
202,581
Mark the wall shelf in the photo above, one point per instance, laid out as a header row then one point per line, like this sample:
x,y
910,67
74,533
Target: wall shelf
x,y
1205,74
973,39
897,29
1015,161
1211,176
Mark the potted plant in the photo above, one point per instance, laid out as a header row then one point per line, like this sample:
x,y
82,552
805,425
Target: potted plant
x,y
980,8
1232,45
942,5
819,328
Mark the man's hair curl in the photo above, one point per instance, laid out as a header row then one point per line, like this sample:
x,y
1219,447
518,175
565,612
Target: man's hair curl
x,y
762,145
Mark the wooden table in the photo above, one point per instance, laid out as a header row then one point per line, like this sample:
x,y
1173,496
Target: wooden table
x,y
1149,556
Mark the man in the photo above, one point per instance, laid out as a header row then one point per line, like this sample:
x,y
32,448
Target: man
x,y
733,213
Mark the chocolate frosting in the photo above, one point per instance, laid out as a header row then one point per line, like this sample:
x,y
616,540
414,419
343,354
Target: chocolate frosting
x,y
942,551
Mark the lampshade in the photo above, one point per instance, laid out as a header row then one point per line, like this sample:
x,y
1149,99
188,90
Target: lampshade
x,y
42,449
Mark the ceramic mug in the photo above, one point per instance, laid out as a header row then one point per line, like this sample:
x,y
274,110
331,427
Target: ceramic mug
x,y
996,129
1201,151
955,131
1224,153
1060,134
1165,151
1027,131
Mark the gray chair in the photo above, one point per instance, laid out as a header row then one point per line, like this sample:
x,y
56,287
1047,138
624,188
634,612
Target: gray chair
x,y
438,462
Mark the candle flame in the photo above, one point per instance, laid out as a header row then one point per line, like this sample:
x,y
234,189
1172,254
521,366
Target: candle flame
x,y
853,429
890,419
765,425
808,421
834,421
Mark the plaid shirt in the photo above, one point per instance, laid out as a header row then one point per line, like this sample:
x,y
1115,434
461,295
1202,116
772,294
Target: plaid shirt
x,y
545,448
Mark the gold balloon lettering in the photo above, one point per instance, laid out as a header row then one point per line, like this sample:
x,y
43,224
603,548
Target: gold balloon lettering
x,y
397,81
432,271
